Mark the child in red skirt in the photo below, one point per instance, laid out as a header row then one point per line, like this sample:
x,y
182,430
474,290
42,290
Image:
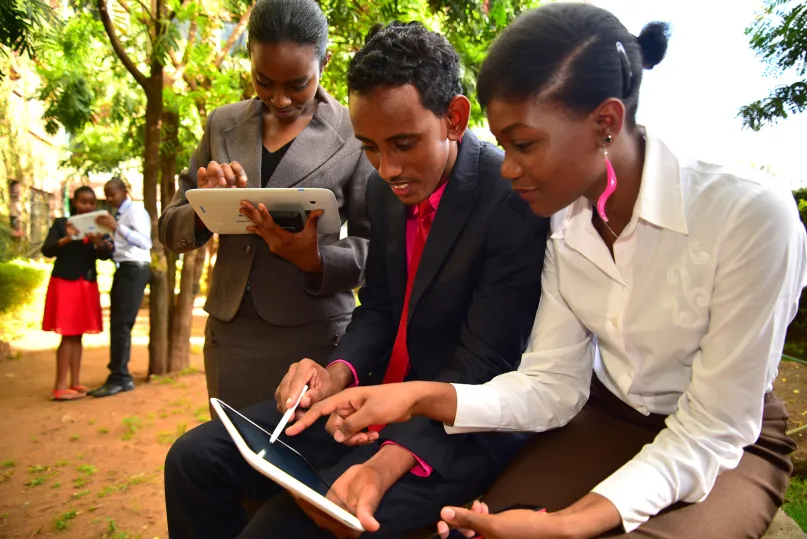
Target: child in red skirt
x,y
73,304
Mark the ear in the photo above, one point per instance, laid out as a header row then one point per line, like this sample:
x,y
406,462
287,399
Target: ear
x,y
609,119
325,62
456,117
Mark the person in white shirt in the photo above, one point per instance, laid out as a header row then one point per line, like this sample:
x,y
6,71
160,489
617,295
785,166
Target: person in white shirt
x,y
667,290
131,227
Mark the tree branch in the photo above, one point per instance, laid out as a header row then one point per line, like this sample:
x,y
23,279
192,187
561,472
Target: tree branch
x,y
186,56
174,13
145,8
141,79
125,6
238,31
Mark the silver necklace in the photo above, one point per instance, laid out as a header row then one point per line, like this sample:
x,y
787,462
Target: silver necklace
x,y
616,236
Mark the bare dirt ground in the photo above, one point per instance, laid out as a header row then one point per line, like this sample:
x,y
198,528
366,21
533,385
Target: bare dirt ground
x,y
90,468
93,468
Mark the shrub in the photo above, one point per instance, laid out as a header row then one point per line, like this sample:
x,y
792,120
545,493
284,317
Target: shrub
x,y
21,296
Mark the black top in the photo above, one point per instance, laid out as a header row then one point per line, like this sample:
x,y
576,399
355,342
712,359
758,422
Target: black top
x,y
270,161
75,259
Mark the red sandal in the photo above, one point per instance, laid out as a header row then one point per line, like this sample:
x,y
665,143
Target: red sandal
x,y
66,395
80,389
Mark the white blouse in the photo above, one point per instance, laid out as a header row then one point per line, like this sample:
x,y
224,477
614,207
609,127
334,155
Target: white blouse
x,y
687,320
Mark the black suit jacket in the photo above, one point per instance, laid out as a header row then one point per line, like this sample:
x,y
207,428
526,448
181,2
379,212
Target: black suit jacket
x,y
75,259
473,301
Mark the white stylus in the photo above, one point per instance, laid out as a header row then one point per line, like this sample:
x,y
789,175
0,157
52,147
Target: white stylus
x,y
285,420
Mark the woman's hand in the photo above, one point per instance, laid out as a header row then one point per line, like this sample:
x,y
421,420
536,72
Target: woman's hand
x,y
353,410
516,524
221,175
71,230
299,248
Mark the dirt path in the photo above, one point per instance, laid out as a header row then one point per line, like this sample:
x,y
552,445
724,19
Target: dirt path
x,y
90,468
93,468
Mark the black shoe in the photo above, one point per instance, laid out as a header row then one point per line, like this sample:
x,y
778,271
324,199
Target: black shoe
x,y
107,390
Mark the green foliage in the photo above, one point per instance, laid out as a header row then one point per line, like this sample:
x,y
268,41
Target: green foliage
x,y
21,296
779,37
18,282
20,21
796,341
796,501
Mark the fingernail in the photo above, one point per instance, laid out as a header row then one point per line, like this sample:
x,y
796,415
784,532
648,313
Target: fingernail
x,y
288,401
449,514
339,437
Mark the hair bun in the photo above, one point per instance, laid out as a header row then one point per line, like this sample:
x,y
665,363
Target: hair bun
x,y
653,41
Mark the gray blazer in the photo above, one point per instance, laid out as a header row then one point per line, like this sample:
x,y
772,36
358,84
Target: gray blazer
x,y
324,154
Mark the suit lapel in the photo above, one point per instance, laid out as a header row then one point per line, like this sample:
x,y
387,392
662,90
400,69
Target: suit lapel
x,y
455,208
313,146
244,141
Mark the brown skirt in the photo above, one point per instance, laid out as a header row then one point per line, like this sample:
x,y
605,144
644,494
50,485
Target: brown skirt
x,y
563,465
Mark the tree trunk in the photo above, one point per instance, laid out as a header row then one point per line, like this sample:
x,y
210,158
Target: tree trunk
x,y
168,162
183,315
159,295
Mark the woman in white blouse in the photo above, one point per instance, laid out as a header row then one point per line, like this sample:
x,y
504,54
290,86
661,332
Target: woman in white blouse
x,y
667,290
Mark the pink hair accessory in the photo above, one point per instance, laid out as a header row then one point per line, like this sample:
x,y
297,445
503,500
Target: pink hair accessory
x,y
610,187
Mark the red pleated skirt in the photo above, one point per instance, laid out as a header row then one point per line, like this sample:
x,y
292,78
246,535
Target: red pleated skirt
x,y
72,307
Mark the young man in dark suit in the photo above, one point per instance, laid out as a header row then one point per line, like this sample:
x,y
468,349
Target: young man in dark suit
x,y
452,286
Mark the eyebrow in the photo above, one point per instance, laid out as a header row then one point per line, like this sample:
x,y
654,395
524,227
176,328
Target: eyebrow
x,y
398,136
512,127
298,80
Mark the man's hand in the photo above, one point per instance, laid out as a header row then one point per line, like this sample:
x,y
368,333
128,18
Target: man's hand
x,y
96,239
107,221
72,231
299,248
217,176
322,383
361,488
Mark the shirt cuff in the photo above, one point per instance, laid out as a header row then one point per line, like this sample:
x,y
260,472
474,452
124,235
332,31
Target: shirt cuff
x,y
355,375
637,490
479,409
420,469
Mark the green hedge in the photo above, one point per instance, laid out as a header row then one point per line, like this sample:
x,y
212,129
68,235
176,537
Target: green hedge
x,y
797,333
21,296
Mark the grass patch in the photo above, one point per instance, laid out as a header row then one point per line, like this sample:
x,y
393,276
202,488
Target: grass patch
x,y
796,501
9,464
88,469
79,495
56,485
106,491
202,414
79,482
169,437
61,464
103,430
63,522
5,516
35,482
5,476
112,532
74,438
91,422
132,425
36,469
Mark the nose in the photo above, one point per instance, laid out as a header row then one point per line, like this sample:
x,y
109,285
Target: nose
x,y
388,168
280,100
510,169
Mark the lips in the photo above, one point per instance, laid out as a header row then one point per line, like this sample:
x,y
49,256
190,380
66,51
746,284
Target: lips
x,y
401,188
283,112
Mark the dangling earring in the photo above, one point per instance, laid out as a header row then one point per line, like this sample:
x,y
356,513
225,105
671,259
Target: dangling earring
x,y
610,185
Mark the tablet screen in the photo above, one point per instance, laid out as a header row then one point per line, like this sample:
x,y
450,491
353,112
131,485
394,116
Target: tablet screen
x,y
278,454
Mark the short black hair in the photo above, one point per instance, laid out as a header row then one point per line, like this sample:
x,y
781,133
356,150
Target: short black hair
x,y
407,53
575,54
83,189
117,183
289,21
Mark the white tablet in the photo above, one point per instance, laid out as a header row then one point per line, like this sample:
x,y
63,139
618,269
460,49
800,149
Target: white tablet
x,y
219,208
281,463
85,223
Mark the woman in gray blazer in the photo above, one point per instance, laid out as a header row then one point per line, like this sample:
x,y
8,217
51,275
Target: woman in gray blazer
x,y
276,296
